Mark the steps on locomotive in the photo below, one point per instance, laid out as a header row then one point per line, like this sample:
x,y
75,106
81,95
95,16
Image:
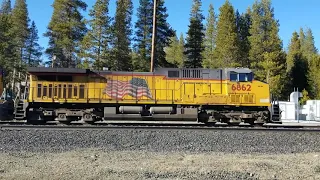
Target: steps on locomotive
x,y
19,111
276,112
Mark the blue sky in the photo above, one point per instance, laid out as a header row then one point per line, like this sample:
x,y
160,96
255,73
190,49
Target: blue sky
x,y
292,14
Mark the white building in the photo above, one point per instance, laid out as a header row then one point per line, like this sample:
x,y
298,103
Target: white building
x,y
292,111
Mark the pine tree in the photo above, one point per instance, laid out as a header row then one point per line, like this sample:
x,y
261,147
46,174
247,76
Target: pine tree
x,y
294,51
302,38
33,49
20,31
175,52
314,77
194,45
95,45
7,53
20,27
181,56
227,50
5,7
309,52
308,46
65,32
297,67
163,35
243,22
210,39
122,32
266,55
143,34
172,51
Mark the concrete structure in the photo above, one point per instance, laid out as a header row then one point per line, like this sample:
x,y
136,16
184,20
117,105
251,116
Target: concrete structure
x,y
311,110
291,111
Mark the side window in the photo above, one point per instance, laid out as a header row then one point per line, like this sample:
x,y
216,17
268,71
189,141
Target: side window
x,y
233,76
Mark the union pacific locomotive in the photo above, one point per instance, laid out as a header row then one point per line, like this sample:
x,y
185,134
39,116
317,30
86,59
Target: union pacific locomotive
x,y
229,95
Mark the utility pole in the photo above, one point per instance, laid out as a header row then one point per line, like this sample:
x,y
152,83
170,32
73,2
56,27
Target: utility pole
x,y
153,34
53,60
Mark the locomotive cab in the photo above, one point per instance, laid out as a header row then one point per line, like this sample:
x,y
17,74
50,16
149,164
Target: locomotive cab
x,y
244,89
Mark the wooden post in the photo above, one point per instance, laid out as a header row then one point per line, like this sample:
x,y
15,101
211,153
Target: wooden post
x,y
153,34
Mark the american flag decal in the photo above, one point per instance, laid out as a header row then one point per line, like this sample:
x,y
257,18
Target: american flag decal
x,y
136,88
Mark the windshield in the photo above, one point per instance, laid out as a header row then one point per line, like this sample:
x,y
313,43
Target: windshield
x,y
241,77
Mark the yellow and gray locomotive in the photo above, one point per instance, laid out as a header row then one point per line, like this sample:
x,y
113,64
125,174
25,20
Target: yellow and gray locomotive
x,y
229,95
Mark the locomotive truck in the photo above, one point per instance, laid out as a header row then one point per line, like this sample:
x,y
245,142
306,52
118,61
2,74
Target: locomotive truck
x,y
228,95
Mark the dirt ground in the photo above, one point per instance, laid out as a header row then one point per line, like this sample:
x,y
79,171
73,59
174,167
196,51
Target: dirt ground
x,y
95,164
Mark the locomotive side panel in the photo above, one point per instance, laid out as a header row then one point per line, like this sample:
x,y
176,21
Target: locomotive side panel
x,y
137,88
183,94
201,86
161,90
253,93
57,88
244,90
130,88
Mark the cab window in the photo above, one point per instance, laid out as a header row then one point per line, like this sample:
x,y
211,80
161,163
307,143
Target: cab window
x,y
250,76
241,77
233,76
245,77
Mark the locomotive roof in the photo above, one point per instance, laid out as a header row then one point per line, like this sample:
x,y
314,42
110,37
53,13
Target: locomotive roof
x,y
56,70
157,71
194,73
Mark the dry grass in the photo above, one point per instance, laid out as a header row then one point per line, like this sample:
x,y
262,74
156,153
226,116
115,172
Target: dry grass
x,y
94,164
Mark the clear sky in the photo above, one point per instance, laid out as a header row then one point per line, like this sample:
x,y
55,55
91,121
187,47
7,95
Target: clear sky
x,y
292,14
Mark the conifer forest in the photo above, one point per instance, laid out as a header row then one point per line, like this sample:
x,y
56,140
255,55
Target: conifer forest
x,y
225,38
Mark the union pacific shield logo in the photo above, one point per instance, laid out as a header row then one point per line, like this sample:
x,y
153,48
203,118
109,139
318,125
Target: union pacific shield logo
x,y
136,87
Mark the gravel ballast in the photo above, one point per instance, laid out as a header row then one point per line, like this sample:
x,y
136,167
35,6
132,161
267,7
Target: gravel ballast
x,y
160,141
158,154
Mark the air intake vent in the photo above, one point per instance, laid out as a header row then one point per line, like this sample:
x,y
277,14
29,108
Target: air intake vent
x,y
248,99
192,73
235,98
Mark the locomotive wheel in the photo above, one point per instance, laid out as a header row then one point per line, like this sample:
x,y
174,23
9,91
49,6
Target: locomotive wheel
x,y
88,118
62,118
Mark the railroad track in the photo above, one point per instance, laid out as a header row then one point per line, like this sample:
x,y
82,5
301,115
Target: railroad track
x,y
157,125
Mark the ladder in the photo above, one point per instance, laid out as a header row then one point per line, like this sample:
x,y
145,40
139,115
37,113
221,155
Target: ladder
x,y
19,113
19,110
275,111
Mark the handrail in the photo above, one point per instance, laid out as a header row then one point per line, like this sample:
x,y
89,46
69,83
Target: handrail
x,y
65,93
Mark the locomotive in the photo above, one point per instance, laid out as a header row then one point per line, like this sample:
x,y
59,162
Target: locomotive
x,y
227,95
